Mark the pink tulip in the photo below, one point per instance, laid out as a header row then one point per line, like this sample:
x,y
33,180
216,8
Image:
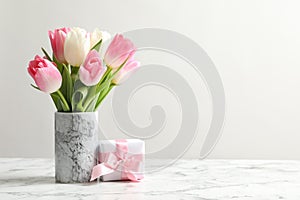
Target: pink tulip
x,y
118,51
130,67
92,69
57,39
45,74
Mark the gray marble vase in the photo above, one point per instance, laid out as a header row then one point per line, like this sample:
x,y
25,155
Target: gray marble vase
x,y
76,140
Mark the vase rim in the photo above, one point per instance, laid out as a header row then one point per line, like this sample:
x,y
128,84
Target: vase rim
x,y
72,113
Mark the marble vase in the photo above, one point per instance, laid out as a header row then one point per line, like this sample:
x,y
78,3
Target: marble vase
x,y
76,140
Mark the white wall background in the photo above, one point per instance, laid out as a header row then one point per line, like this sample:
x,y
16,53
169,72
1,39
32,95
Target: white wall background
x,y
255,44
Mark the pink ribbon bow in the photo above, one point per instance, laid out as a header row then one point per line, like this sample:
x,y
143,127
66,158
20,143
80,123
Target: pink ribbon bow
x,y
121,160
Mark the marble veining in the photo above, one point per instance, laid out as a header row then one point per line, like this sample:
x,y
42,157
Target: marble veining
x,y
185,179
75,146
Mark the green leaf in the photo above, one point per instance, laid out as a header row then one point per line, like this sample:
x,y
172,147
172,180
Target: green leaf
x,y
119,68
58,64
60,101
58,104
101,87
79,95
74,70
74,73
97,46
77,100
35,87
46,54
104,77
67,84
92,104
103,94
105,84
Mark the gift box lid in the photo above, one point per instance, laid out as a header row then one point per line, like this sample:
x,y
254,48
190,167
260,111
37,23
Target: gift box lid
x,y
135,146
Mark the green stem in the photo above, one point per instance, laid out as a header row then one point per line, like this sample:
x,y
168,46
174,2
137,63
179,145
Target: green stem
x,y
78,108
63,99
119,68
90,97
101,97
106,79
104,76
74,73
74,70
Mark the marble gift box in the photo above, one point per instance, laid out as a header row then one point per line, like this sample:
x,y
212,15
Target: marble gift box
x,y
121,159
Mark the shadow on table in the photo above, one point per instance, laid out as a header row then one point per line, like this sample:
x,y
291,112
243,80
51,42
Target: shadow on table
x,y
28,180
44,180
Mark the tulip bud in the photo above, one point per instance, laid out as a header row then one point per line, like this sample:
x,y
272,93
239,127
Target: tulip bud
x,y
45,74
98,35
57,39
130,67
77,46
118,51
92,69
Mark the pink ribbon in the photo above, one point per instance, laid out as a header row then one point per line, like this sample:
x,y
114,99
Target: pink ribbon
x,y
121,160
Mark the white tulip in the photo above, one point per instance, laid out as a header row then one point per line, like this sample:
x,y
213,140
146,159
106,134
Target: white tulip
x,y
105,36
77,46
97,35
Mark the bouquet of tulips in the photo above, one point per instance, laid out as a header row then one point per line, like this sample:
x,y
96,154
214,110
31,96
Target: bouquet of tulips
x,y
75,76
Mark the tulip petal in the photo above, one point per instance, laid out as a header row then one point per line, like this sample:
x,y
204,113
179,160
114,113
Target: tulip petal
x,y
57,39
118,51
76,46
48,80
45,74
92,69
128,69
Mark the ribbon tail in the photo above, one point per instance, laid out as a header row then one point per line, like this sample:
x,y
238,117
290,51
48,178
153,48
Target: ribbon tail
x,y
133,177
100,170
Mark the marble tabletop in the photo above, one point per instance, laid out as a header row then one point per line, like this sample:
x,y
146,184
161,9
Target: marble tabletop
x,y
185,179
